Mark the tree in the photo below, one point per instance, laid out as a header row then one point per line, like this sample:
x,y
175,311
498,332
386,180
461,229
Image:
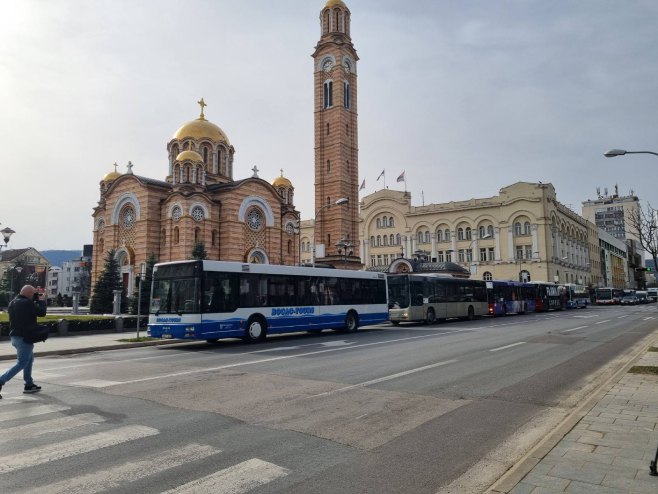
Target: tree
x,y
109,280
145,287
643,223
60,300
199,251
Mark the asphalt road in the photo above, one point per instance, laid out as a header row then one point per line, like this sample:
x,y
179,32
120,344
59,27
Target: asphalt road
x,y
391,409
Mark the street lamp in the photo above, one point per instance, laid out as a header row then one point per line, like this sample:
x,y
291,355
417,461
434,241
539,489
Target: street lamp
x,y
339,202
344,244
621,152
6,235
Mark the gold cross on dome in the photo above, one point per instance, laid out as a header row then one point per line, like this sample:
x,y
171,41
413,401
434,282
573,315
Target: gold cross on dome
x,y
202,104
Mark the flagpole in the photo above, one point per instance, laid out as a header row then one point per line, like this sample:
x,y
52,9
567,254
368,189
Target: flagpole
x,y
405,183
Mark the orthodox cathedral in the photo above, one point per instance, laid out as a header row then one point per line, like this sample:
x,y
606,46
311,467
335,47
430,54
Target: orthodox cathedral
x,y
249,219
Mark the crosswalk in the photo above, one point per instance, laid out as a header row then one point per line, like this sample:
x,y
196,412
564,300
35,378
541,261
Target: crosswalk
x,y
34,434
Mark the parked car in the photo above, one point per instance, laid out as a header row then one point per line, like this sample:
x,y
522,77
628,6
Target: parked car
x,y
629,300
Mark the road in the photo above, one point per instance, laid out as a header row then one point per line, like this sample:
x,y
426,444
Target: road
x,y
389,409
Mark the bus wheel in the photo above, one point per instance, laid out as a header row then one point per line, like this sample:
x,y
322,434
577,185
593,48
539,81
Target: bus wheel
x,y
395,323
471,313
256,329
431,316
212,340
351,322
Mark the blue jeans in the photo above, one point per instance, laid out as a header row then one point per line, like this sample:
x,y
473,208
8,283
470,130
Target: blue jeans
x,y
25,354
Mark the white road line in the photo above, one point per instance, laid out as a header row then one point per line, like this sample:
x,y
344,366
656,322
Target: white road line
x,y
601,322
281,357
122,475
234,480
574,329
621,317
73,447
507,346
386,378
95,383
48,426
31,411
647,318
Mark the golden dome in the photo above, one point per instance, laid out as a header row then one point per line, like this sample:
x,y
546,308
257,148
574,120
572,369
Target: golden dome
x,y
281,181
189,155
113,175
199,129
335,3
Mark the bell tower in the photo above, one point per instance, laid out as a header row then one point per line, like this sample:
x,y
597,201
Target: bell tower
x,y
336,140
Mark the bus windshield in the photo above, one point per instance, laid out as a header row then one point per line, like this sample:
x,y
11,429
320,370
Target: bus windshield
x,y
398,291
175,289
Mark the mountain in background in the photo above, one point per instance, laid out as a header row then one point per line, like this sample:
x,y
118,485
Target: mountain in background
x,y
57,257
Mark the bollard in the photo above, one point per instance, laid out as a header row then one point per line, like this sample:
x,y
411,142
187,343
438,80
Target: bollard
x,y
118,324
62,327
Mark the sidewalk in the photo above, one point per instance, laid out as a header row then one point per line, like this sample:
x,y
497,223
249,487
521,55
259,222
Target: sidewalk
x,y
63,345
607,451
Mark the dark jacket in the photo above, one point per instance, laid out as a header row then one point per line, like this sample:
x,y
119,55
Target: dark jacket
x,y
23,313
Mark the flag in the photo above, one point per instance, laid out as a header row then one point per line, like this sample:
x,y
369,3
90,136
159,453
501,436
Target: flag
x,y
381,174
401,177
363,184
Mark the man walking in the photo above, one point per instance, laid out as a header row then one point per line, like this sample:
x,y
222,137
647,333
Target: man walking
x,y
23,313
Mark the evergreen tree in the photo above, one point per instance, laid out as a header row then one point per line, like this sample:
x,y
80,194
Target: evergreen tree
x,y
145,288
199,251
108,281
60,300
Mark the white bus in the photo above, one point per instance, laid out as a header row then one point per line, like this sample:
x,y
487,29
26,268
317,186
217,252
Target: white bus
x,y
210,300
428,297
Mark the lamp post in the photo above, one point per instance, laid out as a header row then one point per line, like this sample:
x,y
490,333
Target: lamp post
x,y
6,235
470,247
621,152
339,202
343,245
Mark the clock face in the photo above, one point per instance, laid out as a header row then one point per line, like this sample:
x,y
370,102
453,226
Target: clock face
x,y
289,229
197,213
348,66
176,213
327,65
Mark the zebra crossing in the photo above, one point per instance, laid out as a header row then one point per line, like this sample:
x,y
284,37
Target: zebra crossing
x,y
62,434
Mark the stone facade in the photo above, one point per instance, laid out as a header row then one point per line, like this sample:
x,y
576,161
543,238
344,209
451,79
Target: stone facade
x,y
248,220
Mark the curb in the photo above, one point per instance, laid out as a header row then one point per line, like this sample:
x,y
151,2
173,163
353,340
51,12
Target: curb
x,y
118,346
517,472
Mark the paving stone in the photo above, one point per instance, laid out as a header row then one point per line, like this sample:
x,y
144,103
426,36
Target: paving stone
x,y
547,481
588,456
584,488
544,490
581,474
647,485
522,488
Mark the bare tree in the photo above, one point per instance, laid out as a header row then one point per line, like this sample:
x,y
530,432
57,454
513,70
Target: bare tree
x,y
643,223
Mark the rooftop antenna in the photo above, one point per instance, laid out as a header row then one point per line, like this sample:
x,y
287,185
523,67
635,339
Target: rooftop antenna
x,y
598,192
605,191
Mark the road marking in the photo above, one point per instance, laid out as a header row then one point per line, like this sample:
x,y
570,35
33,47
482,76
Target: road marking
x,y
586,317
126,473
507,346
281,357
621,317
32,411
601,322
386,378
95,383
647,318
48,426
65,449
237,479
574,329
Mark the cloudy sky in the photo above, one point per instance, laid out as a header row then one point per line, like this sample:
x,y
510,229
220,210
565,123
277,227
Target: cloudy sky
x,y
465,96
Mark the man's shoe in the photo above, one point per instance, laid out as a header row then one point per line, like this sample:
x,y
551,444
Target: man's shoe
x,y
31,388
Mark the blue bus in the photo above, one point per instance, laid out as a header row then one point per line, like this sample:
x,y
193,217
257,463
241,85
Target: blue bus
x,y
210,300
576,296
510,297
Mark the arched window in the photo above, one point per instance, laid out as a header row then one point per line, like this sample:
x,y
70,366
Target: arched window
x,y
384,222
289,246
197,235
460,233
427,237
468,233
391,222
446,235
487,276
420,237
327,129
439,236
214,238
398,239
385,239
392,239
346,94
205,155
176,236
517,229
379,240
526,228
481,232
328,94
379,223
197,213
490,231
372,241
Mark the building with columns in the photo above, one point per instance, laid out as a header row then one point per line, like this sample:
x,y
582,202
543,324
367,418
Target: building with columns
x,y
524,233
198,201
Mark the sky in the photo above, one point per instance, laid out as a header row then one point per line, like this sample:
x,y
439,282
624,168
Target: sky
x,y
465,97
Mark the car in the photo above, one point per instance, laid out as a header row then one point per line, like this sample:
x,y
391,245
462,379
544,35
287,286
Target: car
x,y
629,300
